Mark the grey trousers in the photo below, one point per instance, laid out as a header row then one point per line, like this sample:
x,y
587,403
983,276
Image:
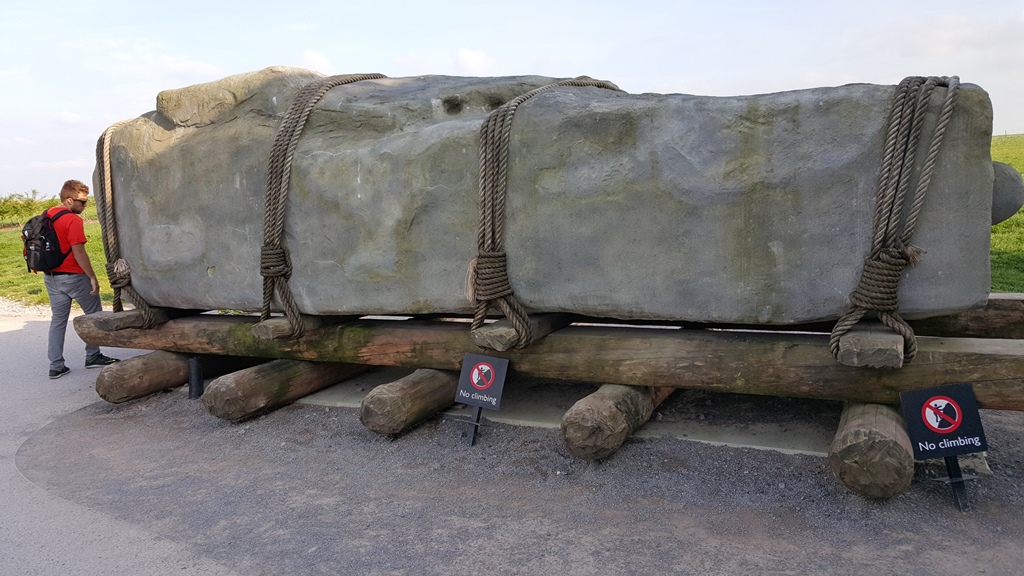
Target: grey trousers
x,y
62,290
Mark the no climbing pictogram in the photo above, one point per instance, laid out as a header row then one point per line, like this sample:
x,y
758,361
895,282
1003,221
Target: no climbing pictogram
x,y
942,414
482,376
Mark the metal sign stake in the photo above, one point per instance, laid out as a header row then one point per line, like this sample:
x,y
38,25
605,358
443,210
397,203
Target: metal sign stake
x,y
474,424
956,480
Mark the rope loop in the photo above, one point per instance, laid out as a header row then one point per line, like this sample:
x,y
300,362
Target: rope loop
x,y
489,275
118,272
891,251
275,265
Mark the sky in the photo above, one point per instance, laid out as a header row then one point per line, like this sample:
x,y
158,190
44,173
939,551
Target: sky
x,y
69,69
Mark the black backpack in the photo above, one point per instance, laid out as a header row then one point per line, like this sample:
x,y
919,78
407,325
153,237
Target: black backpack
x,y
42,248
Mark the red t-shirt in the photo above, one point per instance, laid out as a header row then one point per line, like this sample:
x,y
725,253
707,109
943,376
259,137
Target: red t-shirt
x,y
70,231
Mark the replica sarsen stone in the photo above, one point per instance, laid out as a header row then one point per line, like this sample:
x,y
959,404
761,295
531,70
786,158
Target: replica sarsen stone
x,y
747,209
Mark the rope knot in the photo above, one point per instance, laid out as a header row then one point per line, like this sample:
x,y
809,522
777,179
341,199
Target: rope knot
x,y
274,262
913,254
119,274
491,282
880,282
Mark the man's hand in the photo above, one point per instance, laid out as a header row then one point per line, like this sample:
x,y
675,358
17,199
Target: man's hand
x,y
78,251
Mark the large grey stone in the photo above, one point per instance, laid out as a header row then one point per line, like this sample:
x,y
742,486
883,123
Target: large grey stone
x,y
748,209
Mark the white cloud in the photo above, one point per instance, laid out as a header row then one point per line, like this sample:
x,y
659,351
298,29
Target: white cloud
x,y
317,62
418,63
16,75
131,58
72,119
74,163
300,26
474,63
16,141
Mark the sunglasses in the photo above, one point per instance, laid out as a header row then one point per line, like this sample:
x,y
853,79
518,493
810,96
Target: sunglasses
x,y
82,201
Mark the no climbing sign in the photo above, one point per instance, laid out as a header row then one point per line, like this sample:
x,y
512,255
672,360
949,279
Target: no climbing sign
x,y
943,421
482,381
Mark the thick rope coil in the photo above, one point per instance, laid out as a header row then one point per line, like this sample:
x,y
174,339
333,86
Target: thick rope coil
x,y
275,266
490,279
118,272
891,251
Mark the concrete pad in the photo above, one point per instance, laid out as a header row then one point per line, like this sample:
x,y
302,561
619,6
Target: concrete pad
x,y
791,426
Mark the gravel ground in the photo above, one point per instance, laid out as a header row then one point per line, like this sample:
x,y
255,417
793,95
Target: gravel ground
x,y
308,490
18,310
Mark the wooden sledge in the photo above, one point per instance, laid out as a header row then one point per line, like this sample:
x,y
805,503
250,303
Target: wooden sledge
x,y
984,347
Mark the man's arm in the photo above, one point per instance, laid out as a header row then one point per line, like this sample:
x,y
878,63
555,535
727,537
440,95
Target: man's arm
x,y
78,251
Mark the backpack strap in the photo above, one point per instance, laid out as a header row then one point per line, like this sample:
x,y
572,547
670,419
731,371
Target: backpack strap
x,y
53,219
56,216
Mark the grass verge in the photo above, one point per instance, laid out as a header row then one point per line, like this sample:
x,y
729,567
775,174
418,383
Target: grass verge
x,y
20,285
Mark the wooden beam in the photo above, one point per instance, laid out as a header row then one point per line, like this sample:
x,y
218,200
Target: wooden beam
x,y
280,326
262,388
397,406
501,335
141,376
134,318
775,364
871,453
598,424
147,374
1001,317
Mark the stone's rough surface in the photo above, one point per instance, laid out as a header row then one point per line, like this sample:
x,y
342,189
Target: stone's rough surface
x,y
751,209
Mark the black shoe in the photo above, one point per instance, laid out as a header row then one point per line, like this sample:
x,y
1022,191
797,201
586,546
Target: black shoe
x,y
99,361
54,374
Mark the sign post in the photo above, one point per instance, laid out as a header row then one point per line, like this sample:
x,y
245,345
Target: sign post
x,y
943,423
480,384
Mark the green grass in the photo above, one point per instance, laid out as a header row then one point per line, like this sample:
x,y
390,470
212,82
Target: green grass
x,y
1008,237
1010,150
17,284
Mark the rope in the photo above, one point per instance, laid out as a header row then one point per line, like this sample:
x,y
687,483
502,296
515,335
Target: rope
x,y
891,250
118,271
489,271
275,264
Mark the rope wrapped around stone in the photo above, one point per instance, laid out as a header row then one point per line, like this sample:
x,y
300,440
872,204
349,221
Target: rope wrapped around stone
x,y
891,250
275,265
489,271
118,271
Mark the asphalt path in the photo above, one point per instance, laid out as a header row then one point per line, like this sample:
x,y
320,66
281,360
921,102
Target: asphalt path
x,y
42,533
157,486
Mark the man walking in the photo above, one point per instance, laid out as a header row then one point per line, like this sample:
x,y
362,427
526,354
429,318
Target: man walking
x,y
74,279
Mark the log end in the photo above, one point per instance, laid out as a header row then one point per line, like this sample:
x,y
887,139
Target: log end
x,y
871,453
397,406
593,431
875,468
382,412
141,376
228,402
